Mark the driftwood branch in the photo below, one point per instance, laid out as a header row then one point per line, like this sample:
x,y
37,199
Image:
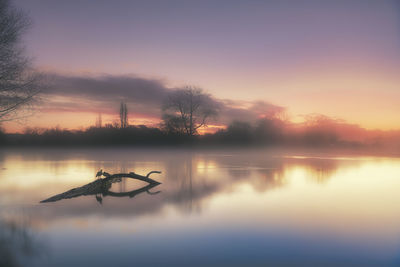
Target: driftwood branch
x,y
152,172
134,176
102,186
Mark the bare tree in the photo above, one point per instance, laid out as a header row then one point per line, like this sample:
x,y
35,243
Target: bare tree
x,y
19,84
187,110
99,123
123,115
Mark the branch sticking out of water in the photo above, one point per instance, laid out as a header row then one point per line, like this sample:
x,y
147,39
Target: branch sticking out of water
x,y
102,186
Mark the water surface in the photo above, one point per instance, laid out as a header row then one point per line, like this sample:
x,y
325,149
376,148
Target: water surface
x,y
216,207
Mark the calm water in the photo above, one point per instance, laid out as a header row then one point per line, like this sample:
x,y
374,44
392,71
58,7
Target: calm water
x,y
219,207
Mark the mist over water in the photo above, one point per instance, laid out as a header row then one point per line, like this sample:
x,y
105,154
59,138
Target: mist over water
x,y
216,207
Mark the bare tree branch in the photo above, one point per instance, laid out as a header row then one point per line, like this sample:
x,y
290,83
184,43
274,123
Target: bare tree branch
x,y
187,110
19,84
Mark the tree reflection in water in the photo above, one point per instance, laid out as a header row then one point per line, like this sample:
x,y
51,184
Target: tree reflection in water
x,y
190,180
18,244
187,184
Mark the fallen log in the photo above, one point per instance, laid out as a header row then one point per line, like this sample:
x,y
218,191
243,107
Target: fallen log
x,y
102,186
134,176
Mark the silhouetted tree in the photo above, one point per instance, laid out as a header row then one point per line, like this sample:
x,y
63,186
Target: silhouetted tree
x,y
2,137
173,124
123,115
268,131
188,109
239,132
320,130
19,84
99,123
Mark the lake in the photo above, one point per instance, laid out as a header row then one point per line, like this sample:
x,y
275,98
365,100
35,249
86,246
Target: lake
x,y
233,207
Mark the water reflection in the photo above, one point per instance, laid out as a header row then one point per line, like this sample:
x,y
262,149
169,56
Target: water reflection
x,y
190,180
18,243
212,205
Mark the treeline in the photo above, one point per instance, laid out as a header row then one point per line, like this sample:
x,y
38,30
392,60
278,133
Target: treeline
x,y
265,132
271,132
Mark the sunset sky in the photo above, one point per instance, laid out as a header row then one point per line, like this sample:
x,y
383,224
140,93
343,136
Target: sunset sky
x,y
338,58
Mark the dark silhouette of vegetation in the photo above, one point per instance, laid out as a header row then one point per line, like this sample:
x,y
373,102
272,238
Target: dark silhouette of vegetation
x,y
93,136
123,115
99,122
19,84
265,132
187,110
3,137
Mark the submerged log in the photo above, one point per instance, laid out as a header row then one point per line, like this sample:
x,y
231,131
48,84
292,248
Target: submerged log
x,y
102,186
134,176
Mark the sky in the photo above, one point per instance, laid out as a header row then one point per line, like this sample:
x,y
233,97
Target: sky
x,y
337,58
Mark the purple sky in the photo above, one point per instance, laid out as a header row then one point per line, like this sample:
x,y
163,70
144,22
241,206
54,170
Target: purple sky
x,y
339,58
